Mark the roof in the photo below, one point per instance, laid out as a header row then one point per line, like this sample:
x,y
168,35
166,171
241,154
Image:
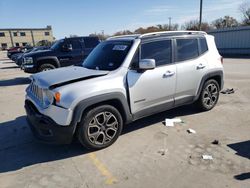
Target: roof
x,y
229,29
154,34
26,29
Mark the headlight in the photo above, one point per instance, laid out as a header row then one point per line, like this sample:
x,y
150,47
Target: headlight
x,y
48,98
28,60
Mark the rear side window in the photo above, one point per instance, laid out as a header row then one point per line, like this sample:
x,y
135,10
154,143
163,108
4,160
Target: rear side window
x,y
203,45
187,49
160,51
91,42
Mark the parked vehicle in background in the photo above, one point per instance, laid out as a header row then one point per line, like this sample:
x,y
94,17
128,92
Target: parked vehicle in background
x,y
13,50
64,52
17,50
125,78
19,59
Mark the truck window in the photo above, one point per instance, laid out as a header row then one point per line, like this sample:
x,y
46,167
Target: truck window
x,y
76,45
91,42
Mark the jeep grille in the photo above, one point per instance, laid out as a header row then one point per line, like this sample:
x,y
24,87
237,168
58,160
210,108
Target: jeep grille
x,y
37,92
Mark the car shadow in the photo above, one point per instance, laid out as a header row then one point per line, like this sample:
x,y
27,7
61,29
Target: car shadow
x,y
15,81
10,67
243,176
160,117
18,148
242,148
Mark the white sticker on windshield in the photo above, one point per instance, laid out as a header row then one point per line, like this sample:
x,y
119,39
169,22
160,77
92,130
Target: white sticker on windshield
x,y
120,47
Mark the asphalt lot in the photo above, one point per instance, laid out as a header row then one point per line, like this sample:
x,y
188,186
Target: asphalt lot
x,y
134,160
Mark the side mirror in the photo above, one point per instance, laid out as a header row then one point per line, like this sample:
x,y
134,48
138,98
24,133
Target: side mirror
x,y
147,64
67,47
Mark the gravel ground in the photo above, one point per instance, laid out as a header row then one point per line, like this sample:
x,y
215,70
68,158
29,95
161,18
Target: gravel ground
x,y
147,154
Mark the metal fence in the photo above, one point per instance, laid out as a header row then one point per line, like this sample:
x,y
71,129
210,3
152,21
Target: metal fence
x,y
232,41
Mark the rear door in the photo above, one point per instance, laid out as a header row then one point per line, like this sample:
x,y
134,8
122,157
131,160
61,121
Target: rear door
x,y
191,65
151,91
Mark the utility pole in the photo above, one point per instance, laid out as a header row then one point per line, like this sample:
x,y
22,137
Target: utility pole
x,y
201,2
169,23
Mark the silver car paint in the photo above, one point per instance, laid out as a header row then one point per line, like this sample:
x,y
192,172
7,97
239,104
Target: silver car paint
x,y
151,85
49,78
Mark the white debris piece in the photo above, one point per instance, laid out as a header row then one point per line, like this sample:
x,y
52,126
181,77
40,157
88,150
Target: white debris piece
x,y
163,151
207,157
170,122
191,131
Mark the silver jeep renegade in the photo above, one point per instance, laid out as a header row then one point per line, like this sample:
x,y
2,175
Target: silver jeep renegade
x,y
123,79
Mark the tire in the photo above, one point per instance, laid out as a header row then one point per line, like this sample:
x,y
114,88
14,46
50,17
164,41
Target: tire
x,y
46,67
94,132
209,95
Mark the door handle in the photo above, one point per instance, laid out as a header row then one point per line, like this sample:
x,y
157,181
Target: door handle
x,y
168,74
200,66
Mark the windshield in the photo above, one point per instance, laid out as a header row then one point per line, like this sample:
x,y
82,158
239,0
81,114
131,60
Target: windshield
x,y
108,55
56,45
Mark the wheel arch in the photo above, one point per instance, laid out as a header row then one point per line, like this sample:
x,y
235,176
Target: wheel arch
x,y
117,100
48,60
216,75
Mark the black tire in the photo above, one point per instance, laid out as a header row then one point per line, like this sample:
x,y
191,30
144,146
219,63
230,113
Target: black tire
x,y
46,67
209,95
96,130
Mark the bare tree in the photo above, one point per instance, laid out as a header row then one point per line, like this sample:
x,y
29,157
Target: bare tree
x,y
194,25
245,10
226,21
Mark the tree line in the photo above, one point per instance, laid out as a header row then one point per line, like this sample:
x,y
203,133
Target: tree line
x,y
223,22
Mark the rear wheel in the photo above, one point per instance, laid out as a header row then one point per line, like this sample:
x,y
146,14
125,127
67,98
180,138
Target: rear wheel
x,y
46,67
100,127
209,95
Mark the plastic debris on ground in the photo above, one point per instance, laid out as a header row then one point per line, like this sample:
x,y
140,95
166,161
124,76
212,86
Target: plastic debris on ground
x,y
191,131
207,157
215,142
163,151
228,91
170,122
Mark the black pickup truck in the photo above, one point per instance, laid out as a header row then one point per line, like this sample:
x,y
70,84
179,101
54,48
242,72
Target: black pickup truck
x,y
64,52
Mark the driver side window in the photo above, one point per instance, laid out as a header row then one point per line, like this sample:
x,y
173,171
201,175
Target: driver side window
x,y
160,51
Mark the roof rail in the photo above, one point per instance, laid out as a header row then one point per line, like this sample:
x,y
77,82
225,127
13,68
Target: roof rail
x,y
171,33
122,36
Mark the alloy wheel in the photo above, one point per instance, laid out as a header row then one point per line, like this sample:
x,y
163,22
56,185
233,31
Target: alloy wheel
x,y
210,95
102,128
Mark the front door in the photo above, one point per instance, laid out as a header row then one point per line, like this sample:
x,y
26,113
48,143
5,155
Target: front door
x,y
152,91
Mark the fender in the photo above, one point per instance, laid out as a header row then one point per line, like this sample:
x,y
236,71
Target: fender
x,y
116,96
53,58
206,77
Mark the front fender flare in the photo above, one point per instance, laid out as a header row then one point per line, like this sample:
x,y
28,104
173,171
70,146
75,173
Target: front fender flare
x,y
116,96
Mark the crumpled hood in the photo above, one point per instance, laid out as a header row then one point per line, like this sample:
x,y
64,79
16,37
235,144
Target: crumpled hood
x,y
63,76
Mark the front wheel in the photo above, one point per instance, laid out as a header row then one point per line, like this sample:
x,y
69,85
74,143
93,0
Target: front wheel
x,y
100,127
46,67
209,95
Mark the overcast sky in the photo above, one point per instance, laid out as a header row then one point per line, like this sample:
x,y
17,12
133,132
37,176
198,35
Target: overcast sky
x,y
82,17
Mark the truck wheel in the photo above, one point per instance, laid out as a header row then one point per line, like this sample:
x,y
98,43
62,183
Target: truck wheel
x,y
209,95
100,127
46,67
